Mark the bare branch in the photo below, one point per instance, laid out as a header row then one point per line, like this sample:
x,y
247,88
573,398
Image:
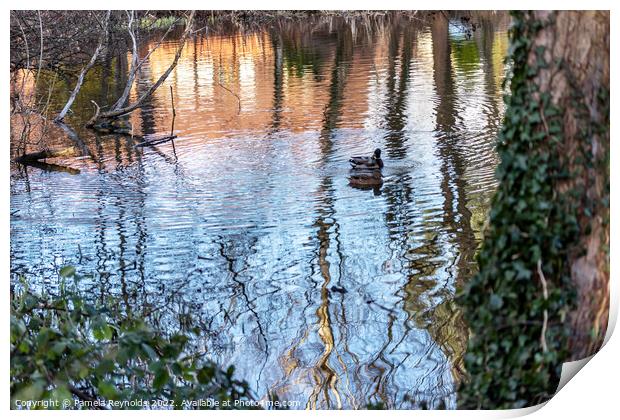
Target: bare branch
x,y
85,70
141,101
134,63
41,48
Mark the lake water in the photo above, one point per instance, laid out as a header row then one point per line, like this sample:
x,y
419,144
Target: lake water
x,y
316,291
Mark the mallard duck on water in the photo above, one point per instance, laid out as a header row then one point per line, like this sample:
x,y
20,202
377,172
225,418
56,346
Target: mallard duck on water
x,y
366,170
367,162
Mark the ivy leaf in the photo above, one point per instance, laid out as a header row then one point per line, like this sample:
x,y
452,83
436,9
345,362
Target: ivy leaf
x,y
496,301
206,374
161,378
102,332
150,351
107,390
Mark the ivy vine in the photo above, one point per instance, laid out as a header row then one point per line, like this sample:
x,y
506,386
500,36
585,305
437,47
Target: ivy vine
x,y
517,304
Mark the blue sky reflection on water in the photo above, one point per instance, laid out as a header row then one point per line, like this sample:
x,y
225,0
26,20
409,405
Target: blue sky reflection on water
x,y
248,222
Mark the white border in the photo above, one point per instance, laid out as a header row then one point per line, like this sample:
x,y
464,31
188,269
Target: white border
x,y
592,394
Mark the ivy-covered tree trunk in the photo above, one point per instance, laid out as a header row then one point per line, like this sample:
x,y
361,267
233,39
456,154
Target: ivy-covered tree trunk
x,y
541,296
576,50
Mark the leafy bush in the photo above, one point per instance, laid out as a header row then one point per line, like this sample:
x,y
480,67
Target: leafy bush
x,y
71,352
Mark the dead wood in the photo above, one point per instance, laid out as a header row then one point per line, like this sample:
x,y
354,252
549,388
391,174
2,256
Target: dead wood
x,y
47,154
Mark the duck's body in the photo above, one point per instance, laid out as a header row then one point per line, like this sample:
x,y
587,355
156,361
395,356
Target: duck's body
x,y
370,165
367,162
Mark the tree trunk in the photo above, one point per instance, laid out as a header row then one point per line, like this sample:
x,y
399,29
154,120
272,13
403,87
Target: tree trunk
x,y
541,295
577,50
134,62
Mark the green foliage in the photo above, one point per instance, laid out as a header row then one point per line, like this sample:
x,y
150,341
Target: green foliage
x,y
164,22
68,350
532,232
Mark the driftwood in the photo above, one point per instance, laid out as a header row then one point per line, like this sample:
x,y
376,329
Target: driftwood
x,y
136,62
34,159
47,154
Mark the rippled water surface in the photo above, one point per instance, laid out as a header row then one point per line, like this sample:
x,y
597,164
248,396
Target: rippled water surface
x,y
316,291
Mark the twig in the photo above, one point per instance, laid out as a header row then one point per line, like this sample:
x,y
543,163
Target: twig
x,y
174,112
541,276
36,80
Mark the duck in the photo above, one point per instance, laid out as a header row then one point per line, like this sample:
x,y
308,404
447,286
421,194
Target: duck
x,y
366,179
367,162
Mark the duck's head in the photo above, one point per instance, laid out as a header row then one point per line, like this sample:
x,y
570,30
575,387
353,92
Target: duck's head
x,y
377,153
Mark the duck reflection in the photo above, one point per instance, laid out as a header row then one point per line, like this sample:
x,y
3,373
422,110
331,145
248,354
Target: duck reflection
x,y
376,189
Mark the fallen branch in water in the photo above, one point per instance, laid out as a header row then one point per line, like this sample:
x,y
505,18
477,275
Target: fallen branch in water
x,y
110,126
34,159
136,61
47,154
